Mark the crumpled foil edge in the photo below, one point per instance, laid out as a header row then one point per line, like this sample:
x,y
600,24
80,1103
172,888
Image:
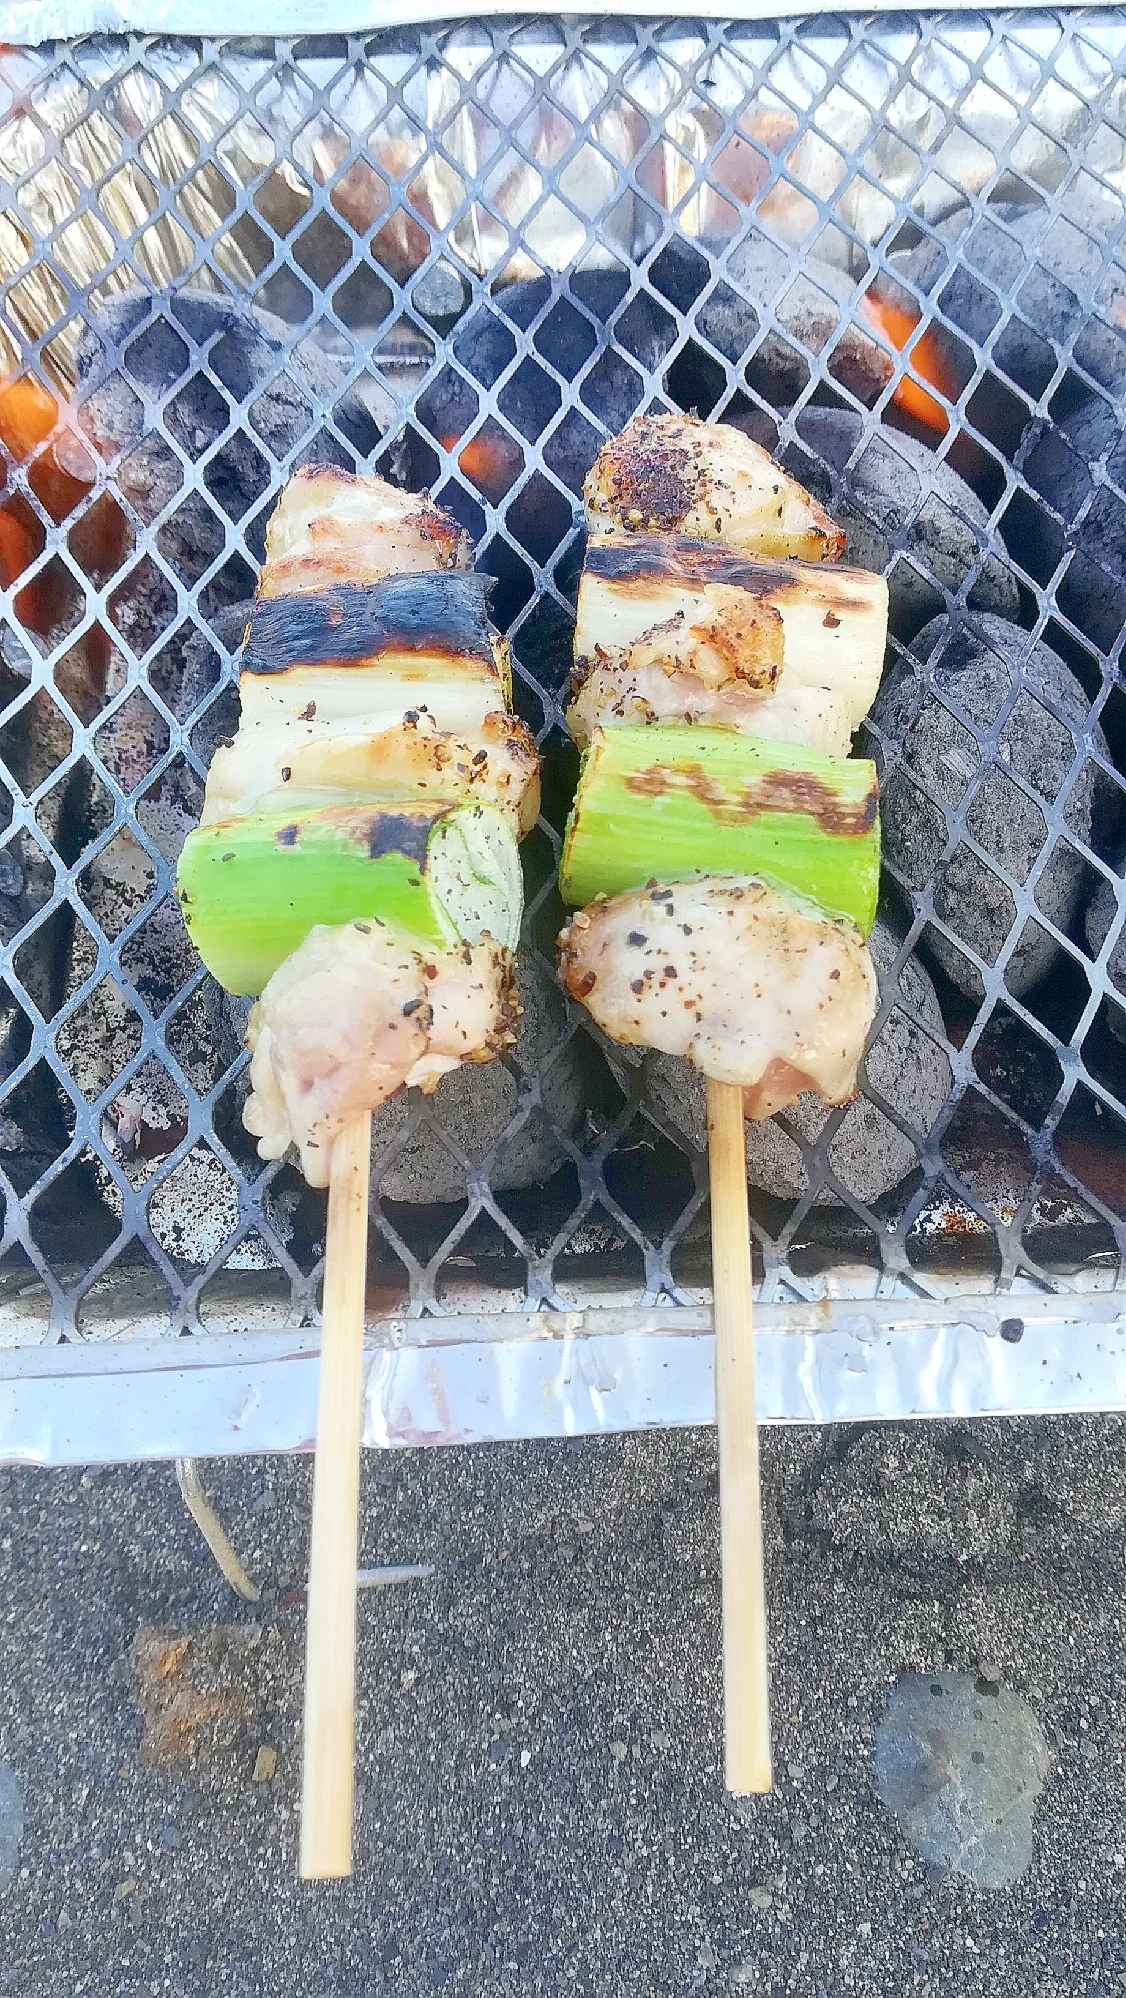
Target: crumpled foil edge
x,y
555,1374
31,22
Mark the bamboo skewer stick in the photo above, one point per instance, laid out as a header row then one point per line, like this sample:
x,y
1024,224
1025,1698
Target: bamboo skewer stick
x,y
330,1640
745,1676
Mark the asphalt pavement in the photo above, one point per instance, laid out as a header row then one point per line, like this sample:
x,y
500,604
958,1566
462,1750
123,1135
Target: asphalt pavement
x,y
539,1800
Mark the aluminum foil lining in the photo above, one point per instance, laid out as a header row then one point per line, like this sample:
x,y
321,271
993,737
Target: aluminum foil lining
x,y
567,1374
866,152
32,22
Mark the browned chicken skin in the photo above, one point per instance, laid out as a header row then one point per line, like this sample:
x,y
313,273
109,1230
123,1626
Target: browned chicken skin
x,y
676,475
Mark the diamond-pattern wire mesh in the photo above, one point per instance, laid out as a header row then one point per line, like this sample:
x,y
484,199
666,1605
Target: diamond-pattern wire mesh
x,y
463,255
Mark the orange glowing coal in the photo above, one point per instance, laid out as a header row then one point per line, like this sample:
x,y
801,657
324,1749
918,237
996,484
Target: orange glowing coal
x,y
488,459
897,322
35,426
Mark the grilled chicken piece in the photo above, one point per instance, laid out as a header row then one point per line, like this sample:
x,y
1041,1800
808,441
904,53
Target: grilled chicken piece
x,y
364,653
808,715
752,988
670,601
676,475
474,1010
353,1015
281,763
330,526
638,607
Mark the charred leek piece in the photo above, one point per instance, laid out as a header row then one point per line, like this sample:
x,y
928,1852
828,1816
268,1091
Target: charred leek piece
x,y
252,889
365,654
738,626
675,804
676,475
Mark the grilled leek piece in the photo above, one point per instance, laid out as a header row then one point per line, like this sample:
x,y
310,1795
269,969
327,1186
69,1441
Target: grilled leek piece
x,y
366,654
676,475
675,803
747,629
251,889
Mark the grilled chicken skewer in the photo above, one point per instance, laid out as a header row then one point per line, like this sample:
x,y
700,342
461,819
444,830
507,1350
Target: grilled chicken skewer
x,y
356,697
356,867
680,621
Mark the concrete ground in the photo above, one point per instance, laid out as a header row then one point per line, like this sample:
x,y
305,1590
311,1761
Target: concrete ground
x,y
539,1801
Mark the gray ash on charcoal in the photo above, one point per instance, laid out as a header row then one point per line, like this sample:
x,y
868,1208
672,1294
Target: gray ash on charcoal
x,y
976,263
37,1119
969,267
1034,301
971,663
1017,1065
813,311
148,1117
904,511
164,342
1065,466
870,1155
34,741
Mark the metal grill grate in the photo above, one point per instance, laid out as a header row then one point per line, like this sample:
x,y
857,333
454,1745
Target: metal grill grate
x,y
462,256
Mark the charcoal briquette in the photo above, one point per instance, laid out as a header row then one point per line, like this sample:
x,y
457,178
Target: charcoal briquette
x,y
1102,911
902,506
970,663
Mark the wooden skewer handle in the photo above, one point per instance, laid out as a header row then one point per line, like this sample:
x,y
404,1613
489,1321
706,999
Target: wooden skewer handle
x,y
330,1641
745,1679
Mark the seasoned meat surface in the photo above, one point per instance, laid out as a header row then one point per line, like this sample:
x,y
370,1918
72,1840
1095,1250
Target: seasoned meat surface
x,y
331,526
677,475
703,608
791,713
282,762
718,633
353,1015
753,989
